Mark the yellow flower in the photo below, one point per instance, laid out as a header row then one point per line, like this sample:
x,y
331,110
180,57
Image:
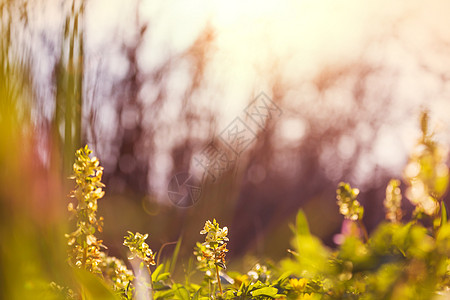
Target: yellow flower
x,y
139,248
214,248
392,202
427,175
298,284
349,207
87,175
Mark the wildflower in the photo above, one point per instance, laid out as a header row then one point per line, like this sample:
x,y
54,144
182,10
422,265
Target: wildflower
x,y
392,202
298,285
426,173
139,248
214,248
115,272
349,207
259,272
214,233
84,246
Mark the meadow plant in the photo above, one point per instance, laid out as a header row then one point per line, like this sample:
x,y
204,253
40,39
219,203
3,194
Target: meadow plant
x,y
393,201
215,248
85,249
139,248
349,207
84,246
117,275
426,173
397,261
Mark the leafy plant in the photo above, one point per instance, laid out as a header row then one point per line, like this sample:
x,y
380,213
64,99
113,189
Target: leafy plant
x,y
426,173
84,246
139,248
398,260
215,248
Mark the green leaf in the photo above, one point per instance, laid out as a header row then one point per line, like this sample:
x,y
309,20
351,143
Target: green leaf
x,y
355,251
283,277
173,262
443,239
441,184
254,286
158,276
196,295
165,294
163,276
301,224
160,286
265,291
421,243
400,237
230,295
310,254
443,214
181,292
155,273
93,287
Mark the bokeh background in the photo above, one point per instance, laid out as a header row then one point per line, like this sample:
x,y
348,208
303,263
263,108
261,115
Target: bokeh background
x,y
149,84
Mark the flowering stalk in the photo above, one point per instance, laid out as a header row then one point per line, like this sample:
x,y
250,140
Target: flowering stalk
x,y
393,201
117,275
84,246
426,174
215,248
140,249
349,207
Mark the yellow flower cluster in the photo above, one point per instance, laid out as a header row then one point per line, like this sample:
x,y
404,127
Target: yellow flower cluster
x,y
426,173
139,248
393,201
84,246
115,271
349,207
215,248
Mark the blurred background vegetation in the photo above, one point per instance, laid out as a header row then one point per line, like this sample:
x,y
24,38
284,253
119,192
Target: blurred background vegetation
x,y
149,84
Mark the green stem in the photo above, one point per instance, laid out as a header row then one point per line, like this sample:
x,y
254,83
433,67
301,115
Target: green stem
x,y
218,280
161,249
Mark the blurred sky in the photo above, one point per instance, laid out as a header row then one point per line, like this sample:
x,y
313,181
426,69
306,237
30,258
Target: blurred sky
x,y
258,41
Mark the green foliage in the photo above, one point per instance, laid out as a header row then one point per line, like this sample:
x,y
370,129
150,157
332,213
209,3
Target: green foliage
x,y
398,260
85,250
69,83
93,287
310,257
